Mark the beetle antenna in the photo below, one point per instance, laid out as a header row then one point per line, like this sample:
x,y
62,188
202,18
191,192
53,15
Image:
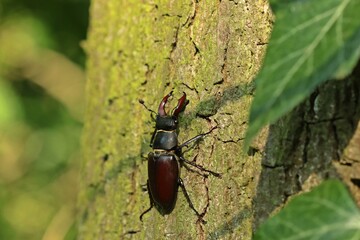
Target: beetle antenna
x,y
142,102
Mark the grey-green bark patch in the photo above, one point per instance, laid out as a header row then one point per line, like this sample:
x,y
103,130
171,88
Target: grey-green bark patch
x,y
306,146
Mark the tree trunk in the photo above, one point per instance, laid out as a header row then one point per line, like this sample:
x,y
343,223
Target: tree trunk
x,y
211,50
318,140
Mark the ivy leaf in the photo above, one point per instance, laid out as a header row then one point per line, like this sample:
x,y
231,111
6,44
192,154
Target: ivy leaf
x,y
312,41
327,212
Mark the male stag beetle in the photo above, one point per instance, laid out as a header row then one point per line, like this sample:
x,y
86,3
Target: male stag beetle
x,y
166,159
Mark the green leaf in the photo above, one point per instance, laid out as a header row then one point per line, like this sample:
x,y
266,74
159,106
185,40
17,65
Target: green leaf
x,y
312,41
327,212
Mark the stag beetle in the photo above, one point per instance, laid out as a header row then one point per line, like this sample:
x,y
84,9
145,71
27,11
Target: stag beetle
x,y
166,159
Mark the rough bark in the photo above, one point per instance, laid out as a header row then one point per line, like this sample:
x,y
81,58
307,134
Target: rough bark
x,y
142,50
318,140
211,50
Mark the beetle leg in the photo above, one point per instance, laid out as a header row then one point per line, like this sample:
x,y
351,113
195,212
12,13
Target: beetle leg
x,y
151,203
200,167
194,139
152,138
192,170
200,216
146,211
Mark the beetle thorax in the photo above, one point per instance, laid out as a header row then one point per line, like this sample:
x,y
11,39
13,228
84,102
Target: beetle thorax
x,y
167,123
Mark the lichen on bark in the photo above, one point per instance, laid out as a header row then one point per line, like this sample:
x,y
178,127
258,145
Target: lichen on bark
x,y
211,50
142,50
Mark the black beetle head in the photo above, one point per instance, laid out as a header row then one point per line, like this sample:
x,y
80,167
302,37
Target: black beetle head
x,y
170,122
166,123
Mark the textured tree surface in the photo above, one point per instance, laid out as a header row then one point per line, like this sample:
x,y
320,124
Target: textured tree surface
x,y
143,50
211,50
318,140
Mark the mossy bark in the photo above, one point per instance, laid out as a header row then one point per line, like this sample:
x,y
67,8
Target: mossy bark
x,y
211,50
143,50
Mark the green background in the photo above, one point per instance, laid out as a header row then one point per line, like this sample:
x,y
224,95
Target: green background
x,y
39,130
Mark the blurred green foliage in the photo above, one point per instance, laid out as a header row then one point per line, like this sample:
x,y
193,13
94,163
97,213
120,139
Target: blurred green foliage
x,y
65,21
326,212
41,90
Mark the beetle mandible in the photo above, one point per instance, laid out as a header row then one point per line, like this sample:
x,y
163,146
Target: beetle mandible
x,y
165,160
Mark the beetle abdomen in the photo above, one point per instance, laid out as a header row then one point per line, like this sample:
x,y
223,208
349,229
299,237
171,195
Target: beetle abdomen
x,y
163,172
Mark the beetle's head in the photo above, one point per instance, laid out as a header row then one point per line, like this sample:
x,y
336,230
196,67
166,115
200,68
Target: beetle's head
x,y
170,122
